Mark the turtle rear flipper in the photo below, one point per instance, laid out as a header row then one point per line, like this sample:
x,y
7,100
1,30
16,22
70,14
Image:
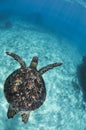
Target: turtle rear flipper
x,y
25,117
11,112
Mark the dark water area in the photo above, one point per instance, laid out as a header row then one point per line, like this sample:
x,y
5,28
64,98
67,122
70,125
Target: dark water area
x,y
81,74
62,17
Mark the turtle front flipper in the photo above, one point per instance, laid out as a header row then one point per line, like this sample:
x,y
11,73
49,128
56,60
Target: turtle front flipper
x,y
17,58
48,67
11,112
25,117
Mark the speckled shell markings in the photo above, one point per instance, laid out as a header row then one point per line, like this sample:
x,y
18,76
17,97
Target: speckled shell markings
x,y
25,89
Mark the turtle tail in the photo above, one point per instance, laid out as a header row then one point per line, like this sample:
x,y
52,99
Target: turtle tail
x,y
48,67
17,58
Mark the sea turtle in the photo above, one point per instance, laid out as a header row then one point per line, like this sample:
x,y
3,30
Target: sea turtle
x,y
25,88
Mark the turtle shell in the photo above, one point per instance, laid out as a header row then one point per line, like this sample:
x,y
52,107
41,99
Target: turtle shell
x,y
25,89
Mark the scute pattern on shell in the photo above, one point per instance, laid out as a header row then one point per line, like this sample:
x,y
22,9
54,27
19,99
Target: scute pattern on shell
x,y
25,89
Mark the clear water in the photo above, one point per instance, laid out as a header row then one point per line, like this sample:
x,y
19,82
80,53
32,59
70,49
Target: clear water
x,y
64,108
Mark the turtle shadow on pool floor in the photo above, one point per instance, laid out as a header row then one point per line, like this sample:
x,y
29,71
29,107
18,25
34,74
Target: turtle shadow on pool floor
x,y
6,24
81,74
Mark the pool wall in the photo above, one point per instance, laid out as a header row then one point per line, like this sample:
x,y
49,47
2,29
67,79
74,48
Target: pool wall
x,y
63,17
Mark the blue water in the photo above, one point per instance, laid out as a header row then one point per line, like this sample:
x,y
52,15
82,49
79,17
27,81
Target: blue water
x,y
53,31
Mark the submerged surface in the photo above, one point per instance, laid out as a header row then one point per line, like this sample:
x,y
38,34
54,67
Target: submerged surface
x,y
64,108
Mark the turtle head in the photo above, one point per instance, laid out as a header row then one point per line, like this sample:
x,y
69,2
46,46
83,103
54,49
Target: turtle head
x,y
34,62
